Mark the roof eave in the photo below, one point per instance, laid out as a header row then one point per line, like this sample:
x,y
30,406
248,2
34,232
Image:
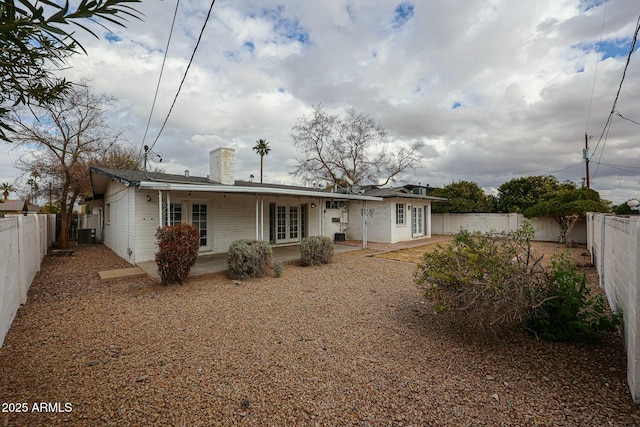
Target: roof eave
x,y
217,188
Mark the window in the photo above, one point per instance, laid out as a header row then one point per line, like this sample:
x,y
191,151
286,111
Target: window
x,y
400,217
107,213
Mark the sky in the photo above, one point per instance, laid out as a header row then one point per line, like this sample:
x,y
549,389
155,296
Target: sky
x,y
496,89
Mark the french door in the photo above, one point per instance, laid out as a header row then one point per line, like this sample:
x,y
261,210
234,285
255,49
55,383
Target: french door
x,y
288,223
417,221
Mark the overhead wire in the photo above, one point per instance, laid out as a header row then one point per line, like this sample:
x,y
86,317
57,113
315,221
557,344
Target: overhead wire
x,y
184,77
595,73
624,118
164,60
607,126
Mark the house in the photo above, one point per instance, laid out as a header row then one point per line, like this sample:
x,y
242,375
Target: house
x,y
133,204
403,214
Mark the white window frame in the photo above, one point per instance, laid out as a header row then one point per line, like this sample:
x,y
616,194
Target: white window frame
x,y
401,214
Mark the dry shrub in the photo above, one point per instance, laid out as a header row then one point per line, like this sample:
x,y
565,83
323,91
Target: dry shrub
x,y
177,251
248,258
315,250
488,278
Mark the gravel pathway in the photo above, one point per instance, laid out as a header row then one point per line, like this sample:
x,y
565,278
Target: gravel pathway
x,y
351,343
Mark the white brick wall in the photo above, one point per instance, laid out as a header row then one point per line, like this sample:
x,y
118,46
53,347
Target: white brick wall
x,y
222,165
614,243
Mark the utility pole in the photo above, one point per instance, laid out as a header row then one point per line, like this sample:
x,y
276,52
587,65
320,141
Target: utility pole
x,y
585,155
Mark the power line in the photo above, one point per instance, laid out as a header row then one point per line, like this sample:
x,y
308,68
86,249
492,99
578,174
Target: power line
x,y
607,125
184,77
155,96
595,73
623,117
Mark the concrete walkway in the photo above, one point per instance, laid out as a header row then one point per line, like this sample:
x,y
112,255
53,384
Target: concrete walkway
x,y
215,263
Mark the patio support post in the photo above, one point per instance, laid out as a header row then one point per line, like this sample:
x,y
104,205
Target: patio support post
x,y
428,221
320,218
160,208
168,208
261,217
257,216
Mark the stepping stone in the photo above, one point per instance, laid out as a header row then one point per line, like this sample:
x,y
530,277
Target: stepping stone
x,y
123,273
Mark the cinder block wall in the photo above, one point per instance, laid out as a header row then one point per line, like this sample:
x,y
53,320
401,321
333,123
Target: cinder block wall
x,y
614,243
547,229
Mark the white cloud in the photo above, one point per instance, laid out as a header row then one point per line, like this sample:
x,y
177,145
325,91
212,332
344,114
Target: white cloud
x,y
496,88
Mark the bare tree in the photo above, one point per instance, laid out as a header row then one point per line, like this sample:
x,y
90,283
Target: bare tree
x,y
67,137
353,149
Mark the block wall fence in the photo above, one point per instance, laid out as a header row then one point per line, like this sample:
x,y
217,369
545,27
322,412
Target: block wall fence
x,y
24,241
614,243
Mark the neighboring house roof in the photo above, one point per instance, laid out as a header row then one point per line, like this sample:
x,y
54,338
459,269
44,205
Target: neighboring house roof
x,y
100,177
16,206
400,192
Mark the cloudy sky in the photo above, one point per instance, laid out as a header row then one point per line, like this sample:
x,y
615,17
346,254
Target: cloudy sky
x,y
496,89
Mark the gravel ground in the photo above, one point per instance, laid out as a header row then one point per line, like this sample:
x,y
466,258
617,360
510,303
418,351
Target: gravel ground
x,y
351,343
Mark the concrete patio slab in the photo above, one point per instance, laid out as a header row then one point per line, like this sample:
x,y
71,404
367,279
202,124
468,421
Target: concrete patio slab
x,y
215,263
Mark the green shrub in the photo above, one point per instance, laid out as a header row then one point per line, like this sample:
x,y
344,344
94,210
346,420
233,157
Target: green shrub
x,y
278,268
566,311
248,258
177,251
489,278
315,250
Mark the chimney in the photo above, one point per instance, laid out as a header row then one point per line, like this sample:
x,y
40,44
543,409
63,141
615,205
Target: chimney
x,y
221,165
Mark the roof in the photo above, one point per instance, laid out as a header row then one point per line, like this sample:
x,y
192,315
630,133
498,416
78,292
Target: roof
x,y
100,177
13,205
403,192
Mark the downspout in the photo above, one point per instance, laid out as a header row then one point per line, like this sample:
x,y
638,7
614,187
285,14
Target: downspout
x,y
364,224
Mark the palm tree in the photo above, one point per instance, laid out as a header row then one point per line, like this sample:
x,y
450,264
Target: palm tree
x,y
6,189
262,148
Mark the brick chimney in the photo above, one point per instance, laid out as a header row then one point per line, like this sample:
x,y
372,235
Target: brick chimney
x,y
221,165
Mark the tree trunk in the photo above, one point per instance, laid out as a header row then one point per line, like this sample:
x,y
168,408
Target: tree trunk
x,y
65,223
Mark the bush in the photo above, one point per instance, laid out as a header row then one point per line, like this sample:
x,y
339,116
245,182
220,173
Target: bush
x,y
566,312
248,258
177,251
489,278
315,250
278,268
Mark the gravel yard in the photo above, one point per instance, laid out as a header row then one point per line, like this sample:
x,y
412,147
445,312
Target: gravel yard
x,y
351,343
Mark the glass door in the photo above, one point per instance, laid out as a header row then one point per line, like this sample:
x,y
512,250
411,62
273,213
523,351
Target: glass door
x,y
199,219
417,221
287,224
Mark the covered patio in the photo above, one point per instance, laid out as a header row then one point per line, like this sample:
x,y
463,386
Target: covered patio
x,y
215,263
